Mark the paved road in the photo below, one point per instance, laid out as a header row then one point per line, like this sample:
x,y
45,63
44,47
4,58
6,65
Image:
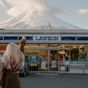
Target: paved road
x,y
66,81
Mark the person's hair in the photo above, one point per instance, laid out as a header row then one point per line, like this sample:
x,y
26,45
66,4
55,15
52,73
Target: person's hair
x,y
12,53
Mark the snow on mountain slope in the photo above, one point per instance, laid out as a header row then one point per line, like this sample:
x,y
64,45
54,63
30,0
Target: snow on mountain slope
x,y
23,21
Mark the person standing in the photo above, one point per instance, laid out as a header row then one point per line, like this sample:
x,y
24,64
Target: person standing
x,y
12,59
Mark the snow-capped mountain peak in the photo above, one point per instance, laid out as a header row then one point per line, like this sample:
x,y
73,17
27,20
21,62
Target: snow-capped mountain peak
x,y
37,21
32,14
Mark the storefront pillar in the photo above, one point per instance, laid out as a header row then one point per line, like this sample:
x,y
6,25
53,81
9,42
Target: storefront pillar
x,y
69,54
48,60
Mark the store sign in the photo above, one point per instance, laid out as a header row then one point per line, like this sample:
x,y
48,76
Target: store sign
x,y
47,38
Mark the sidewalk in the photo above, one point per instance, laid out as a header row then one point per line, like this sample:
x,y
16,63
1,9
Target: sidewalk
x,y
72,71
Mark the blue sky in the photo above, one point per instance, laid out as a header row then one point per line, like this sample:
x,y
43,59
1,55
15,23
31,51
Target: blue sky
x,y
72,11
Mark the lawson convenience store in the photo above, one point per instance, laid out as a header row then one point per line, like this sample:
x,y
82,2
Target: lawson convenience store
x,y
49,45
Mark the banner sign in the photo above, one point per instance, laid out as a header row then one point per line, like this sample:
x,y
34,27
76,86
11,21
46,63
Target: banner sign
x,y
46,38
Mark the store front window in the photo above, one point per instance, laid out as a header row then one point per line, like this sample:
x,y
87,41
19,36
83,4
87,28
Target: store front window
x,y
47,57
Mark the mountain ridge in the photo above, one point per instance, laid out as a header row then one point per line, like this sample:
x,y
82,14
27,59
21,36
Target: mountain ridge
x,y
24,21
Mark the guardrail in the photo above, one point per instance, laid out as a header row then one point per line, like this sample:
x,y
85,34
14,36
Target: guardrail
x,y
67,67
74,67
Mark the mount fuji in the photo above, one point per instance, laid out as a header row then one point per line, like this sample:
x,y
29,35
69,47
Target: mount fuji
x,y
45,21
32,14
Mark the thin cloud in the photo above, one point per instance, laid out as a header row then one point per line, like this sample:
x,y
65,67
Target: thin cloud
x,y
17,7
1,3
83,11
29,11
